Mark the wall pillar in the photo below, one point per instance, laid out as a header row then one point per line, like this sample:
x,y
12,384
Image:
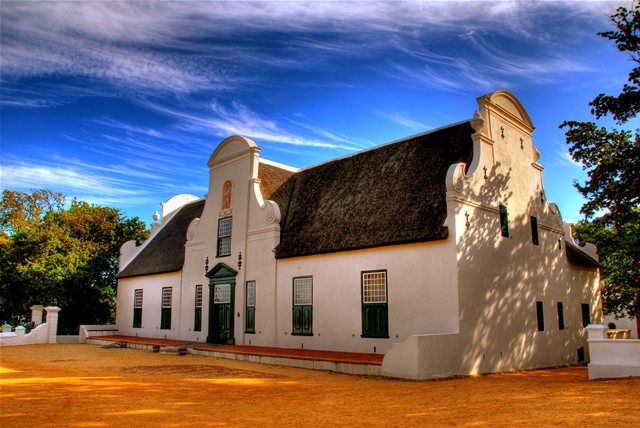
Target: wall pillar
x,y
52,322
36,314
596,331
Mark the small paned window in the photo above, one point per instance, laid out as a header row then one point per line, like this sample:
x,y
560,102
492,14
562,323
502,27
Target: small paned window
x,y
586,314
224,236
540,314
222,293
137,309
303,306
375,310
560,316
165,315
534,231
197,320
504,221
250,310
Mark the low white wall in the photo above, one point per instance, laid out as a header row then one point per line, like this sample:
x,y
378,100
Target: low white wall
x,y
87,331
612,357
44,333
423,356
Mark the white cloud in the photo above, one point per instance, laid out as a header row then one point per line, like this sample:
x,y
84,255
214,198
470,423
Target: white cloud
x,y
186,46
404,119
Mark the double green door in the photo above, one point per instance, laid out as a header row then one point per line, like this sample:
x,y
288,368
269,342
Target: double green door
x,y
222,285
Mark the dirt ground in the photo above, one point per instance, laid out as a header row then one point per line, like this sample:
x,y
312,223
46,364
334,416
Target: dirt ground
x,y
89,386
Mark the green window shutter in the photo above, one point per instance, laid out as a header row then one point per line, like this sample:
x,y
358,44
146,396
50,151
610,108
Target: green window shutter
x,y
302,316
165,312
540,315
250,310
375,308
560,316
504,221
586,314
137,309
197,313
534,231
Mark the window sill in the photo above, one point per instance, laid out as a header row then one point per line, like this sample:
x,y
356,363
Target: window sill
x,y
301,334
370,336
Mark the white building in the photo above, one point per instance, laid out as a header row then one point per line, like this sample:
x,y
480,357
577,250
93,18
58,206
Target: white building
x,y
439,250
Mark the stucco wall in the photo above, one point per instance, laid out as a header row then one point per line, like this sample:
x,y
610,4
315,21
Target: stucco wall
x,y
151,305
422,295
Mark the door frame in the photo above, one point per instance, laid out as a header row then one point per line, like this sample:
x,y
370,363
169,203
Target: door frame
x,y
218,275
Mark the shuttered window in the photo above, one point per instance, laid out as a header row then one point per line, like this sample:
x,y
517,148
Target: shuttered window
x,y
504,221
586,315
375,308
165,314
303,306
250,310
540,315
197,321
534,231
137,309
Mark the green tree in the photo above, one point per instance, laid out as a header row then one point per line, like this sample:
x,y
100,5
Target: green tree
x,y
612,188
63,257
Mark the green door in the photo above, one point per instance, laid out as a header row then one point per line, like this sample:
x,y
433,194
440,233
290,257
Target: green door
x,y
222,284
223,315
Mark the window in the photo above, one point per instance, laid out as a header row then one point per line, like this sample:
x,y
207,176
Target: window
x,y
250,309
222,293
303,306
504,221
534,231
224,237
540,313
165,314
560,316
375,318
137,309
586,315
197,317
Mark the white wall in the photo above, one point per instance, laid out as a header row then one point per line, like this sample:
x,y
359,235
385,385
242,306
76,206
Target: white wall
x,y
151,305
422,295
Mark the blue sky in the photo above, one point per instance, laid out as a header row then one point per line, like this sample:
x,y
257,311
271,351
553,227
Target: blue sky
x,y
122,103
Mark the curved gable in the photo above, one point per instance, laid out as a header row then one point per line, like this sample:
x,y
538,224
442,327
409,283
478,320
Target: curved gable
x,y
231,147
505,103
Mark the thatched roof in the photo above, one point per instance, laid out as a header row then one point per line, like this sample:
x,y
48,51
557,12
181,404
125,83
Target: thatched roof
x,y
576,255
275,184
392,194
165,252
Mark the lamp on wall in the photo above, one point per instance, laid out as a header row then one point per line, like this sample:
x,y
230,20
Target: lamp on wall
x,y
206,266
240,260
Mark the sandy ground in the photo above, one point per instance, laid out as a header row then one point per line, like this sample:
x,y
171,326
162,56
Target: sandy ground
x,y
89,386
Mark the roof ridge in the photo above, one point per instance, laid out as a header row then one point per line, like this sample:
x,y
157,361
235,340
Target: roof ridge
x,y
400,140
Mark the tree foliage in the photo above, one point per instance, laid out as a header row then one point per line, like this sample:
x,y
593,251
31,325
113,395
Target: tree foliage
x,y
612,189
64,257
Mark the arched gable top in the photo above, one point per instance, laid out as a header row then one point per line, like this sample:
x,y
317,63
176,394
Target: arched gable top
x,y
505,103
230,147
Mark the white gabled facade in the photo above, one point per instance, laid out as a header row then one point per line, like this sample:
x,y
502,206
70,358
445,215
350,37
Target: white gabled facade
x,y
470,303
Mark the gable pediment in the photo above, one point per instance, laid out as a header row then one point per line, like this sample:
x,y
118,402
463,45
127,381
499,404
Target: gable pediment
x,y
221,273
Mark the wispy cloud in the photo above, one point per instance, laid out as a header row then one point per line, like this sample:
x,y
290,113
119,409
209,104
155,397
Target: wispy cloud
x,y
193,46
237,119
404,119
